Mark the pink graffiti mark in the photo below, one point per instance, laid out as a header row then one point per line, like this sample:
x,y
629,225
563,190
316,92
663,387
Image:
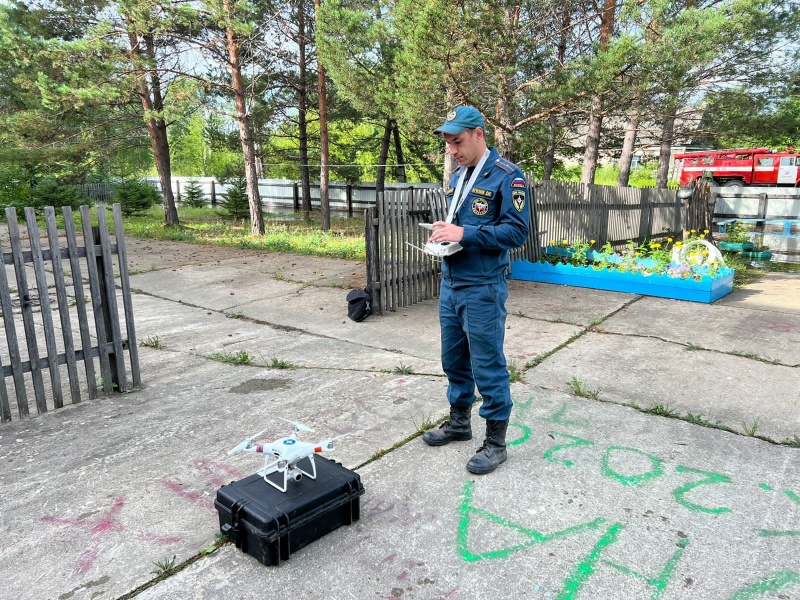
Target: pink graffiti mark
x,y
450,594
781,326
389,559
178,489
368,509
210,470
100,528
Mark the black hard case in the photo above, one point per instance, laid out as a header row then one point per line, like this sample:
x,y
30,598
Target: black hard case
x,y
270,525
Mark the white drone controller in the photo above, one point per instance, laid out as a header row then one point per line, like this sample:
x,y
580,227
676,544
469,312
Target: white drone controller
x,y
440,249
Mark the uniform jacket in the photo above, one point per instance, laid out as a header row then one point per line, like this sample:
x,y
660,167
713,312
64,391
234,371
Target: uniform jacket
x,y
495,218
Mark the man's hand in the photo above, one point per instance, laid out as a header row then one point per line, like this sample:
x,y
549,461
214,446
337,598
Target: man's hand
x,y
446,232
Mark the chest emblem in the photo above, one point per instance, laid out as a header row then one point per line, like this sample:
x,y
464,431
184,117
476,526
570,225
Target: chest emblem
x,y
480,207
518,199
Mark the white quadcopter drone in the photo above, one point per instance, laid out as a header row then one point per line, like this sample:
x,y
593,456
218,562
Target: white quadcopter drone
x,y
283,455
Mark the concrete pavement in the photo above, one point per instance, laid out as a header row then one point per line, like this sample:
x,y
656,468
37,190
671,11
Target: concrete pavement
x,y
602,497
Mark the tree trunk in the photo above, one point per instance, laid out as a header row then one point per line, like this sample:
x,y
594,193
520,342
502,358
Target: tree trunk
x,y
380,182
503,133
553,123
667,131
607,18
323,140
592,152
245,128
153,104
450,166
628,145
302,113
550,151
398,152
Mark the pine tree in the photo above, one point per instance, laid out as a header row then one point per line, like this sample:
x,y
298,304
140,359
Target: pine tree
x,y
235,200
193,196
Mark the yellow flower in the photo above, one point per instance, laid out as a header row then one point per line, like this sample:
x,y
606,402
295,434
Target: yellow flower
x,y
655,245
669,239
592,242
705,231
552,242
564,242
694,230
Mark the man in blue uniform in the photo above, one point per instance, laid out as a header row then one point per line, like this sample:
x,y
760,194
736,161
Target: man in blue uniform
x,y
488,216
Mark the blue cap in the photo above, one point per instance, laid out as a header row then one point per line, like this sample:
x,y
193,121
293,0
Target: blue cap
x,y
464,117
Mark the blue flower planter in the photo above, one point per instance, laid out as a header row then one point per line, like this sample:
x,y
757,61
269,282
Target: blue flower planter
x,y
661,285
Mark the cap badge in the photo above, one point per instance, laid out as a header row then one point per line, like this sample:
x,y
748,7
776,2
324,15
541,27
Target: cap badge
x,y
451,115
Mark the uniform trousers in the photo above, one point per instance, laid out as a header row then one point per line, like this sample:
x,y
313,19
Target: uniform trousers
x,y
473,325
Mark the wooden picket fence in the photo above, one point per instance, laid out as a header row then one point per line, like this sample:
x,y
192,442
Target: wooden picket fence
x,y
66,266
399,274
574,211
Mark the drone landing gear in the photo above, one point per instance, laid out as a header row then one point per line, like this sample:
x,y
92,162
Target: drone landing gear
x,y
292,472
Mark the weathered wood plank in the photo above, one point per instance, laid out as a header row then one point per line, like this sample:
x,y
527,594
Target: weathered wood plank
x,y
112,316
125,283
5,407
75,254
44,307
13,347
98,301
26,303
63,304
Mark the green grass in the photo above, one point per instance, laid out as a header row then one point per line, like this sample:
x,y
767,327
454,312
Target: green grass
x,y
743,272
277,363
697,420
661,410
578,389
152,341
514,374
426,424
752,428
240,358
283,233
792,442
165,565
402,369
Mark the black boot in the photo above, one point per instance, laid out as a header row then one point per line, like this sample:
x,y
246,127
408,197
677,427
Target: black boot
x,y
493,450
455,429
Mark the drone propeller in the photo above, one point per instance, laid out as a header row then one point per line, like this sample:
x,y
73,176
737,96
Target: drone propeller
x,y
328,444
245,443
297,426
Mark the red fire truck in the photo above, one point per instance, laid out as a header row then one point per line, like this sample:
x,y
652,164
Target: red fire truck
x,y
742,166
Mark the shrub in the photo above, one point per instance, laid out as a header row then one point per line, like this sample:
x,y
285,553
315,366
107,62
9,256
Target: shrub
x,y
15,190
235,200
193,196
47,192
135,196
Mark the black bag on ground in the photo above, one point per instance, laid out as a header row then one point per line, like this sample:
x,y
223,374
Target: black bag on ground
x,y
359,305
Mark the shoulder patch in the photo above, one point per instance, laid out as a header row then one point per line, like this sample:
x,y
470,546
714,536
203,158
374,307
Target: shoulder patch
x,y
518,182
507,166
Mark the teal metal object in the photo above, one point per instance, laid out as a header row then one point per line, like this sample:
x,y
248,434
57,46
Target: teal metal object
x,y
733,247
706,289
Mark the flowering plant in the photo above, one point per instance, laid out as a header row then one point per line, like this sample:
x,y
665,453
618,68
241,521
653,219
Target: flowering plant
x,y
737,233
675,258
